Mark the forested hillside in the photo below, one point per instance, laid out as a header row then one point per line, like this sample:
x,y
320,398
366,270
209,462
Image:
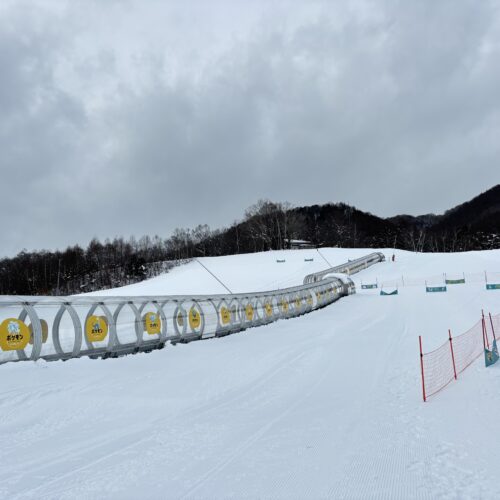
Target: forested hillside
x,y
474,225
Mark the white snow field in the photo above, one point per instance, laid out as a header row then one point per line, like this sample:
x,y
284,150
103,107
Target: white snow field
x,y
327,405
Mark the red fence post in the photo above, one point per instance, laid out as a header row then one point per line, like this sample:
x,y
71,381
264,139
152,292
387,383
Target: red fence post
x,y
422,367
452,355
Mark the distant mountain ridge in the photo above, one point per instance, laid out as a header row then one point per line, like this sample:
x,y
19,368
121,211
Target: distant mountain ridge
x,y
473,225
482,213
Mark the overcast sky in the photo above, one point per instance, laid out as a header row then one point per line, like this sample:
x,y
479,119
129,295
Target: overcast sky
x,y
132,117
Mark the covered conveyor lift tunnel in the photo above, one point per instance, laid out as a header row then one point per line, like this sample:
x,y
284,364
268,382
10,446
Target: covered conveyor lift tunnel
x,y
60,328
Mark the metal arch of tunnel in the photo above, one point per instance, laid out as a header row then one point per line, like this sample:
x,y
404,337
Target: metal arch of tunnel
x,y
29,311
77,328
159,310
112,337
137,323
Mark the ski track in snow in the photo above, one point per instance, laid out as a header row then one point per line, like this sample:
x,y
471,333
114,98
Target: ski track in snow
x,y
327,405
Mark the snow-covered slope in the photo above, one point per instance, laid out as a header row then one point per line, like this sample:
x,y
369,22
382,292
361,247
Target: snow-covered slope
x,y
255,272
327,405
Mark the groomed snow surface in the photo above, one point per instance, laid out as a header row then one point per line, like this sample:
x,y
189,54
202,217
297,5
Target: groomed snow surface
x,y
327,405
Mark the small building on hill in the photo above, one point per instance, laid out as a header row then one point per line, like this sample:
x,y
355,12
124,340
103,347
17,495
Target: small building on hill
x,y
299,244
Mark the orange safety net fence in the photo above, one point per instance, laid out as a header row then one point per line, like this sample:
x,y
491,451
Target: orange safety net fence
x,y
442,365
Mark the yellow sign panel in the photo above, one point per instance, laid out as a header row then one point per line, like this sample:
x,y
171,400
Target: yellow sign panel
x,y
225,315
268,308
310,300
298,303
96,328
249,312
284,305
152,323
14,334
194,318
45,331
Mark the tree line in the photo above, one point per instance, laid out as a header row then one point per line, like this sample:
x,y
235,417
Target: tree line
x,y
266,225
119,262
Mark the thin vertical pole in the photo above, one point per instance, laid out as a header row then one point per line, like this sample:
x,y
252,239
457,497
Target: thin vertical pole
x,y
492,327
58,275
452,355
422,367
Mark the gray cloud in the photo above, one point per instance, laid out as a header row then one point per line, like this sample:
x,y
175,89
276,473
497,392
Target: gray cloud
x,y
136,117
